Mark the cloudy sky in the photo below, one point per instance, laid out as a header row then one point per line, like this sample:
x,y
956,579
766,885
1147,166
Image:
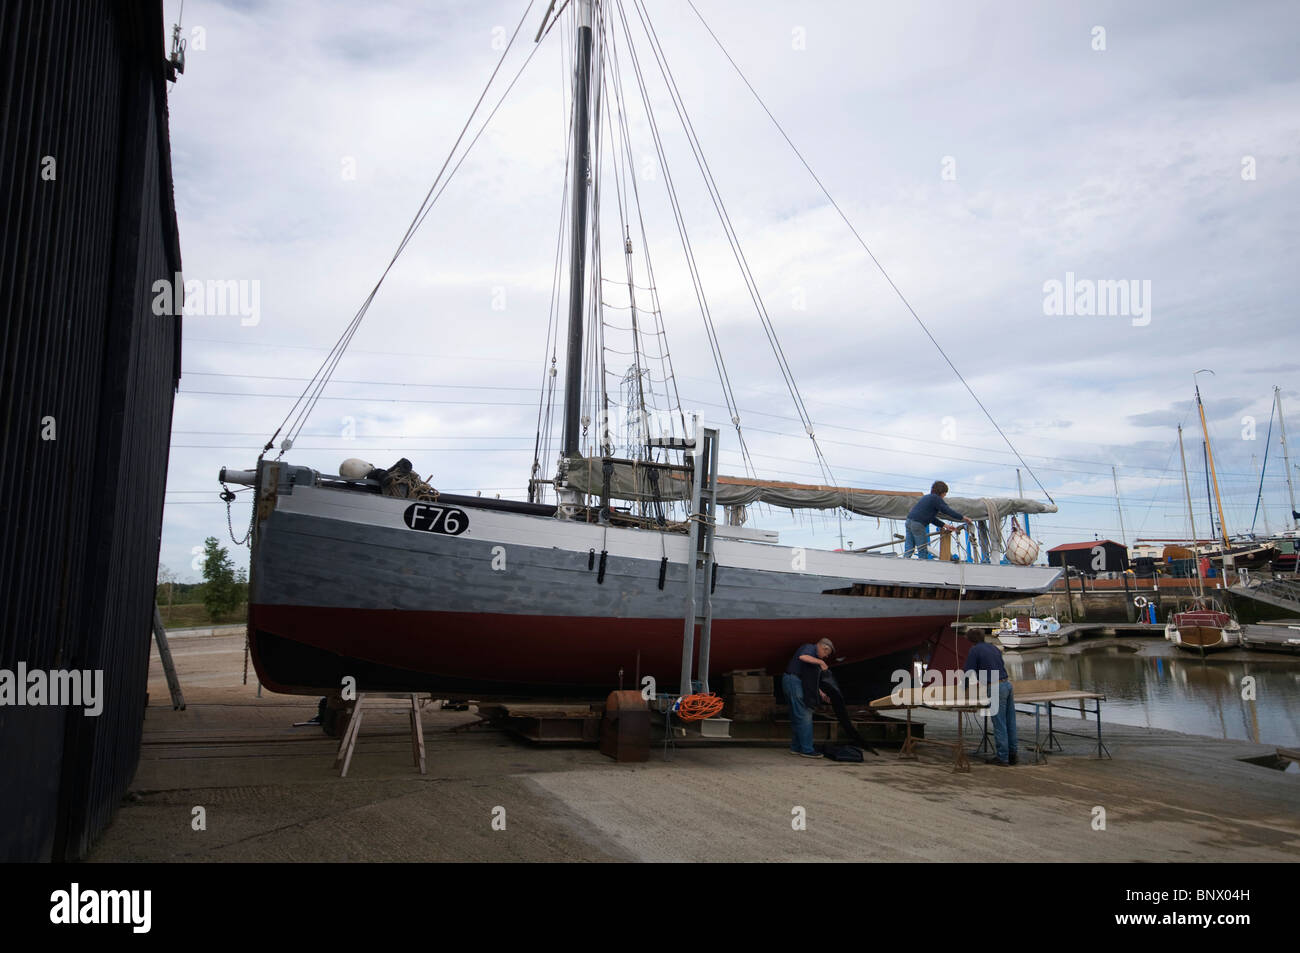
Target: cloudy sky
x,y
983,151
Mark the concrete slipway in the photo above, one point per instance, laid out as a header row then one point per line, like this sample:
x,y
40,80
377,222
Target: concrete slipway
x,y
270,793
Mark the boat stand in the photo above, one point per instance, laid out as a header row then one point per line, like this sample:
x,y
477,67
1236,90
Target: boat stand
x,y
986,745
960,762
349,743
701,575
700,563
169,667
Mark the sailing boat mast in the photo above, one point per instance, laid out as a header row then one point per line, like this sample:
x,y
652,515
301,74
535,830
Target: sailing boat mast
x,y
1191,520
1286,457
1020,492
1209,455
1119,508
578,222
1209,497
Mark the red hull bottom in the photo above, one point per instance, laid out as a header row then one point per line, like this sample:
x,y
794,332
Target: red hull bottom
x,y
307,650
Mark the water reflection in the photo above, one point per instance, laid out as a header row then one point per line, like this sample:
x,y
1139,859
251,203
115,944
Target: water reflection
x,y
1181,694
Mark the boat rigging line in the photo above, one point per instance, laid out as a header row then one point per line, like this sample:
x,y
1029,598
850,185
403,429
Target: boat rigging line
x,y
687,249
1259,497
297,416
550,370
733,239
901,297
1286,457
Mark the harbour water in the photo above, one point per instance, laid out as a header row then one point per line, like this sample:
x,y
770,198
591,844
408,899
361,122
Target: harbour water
x,y
1147,685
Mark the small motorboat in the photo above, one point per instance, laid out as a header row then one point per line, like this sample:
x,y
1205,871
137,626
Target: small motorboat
x,y
1024,632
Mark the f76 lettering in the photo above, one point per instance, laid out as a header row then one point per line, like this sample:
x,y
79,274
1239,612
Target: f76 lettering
x,y
436,518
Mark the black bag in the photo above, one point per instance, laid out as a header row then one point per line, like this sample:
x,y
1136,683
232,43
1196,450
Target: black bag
x,y
846,753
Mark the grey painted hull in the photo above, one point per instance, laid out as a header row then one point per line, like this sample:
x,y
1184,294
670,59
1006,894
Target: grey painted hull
x,y
340,585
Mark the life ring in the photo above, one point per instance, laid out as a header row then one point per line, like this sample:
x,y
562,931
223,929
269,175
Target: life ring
x,y
1140,602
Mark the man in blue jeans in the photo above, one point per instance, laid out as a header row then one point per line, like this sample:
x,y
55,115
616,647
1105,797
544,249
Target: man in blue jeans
x,y
986,661
800,685
926,511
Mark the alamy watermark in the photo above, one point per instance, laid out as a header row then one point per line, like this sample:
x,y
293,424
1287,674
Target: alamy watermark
x,y
214,297
953,688
1105,297
82,688
78,906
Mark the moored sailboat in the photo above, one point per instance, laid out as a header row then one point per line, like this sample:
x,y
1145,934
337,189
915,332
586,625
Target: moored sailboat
x,y
1205,627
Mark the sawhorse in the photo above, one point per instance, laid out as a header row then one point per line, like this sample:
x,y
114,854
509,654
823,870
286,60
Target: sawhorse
x,y
349,742
913,698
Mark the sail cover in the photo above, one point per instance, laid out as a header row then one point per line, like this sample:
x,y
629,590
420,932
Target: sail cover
x,y
630,480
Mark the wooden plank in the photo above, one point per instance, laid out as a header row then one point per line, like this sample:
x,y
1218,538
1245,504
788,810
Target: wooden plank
x,y
354,729
541,710
417,733
169,667
947,698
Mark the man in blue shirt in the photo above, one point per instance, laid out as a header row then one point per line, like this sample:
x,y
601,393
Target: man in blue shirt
x,y
925,512
800,683
985,660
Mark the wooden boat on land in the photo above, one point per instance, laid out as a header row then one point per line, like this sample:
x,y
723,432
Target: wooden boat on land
x,y
616,568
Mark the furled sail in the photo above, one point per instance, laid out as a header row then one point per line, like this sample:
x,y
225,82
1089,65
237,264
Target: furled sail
x,y
632,480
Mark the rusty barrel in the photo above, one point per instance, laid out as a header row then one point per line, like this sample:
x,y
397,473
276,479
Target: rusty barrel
x,y
625,729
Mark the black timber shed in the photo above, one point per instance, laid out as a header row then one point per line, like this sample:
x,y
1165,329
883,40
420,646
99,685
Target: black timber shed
x,y
86,397
1095,556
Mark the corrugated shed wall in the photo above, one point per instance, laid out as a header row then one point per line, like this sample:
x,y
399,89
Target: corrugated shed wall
x,y
89,225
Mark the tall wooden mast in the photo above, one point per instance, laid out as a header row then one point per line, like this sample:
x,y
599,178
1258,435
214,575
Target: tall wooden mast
x,y
580,190
1191,520
1223,526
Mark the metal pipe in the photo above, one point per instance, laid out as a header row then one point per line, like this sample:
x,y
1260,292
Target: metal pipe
x,y
692,550
708,511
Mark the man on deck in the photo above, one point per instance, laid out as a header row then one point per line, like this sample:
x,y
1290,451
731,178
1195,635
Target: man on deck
x,y
925,512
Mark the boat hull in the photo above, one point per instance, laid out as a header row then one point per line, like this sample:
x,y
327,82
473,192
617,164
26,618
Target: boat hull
x,y
1203,631
342,585
300,649
1010,640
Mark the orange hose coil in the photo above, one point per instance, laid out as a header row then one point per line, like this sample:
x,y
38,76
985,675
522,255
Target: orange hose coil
x,y
699,707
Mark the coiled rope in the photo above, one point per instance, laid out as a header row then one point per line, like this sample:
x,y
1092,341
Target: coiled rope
x,y
699,707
